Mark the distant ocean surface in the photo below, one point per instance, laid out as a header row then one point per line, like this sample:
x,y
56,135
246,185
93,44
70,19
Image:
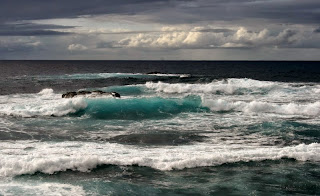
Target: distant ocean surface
x,y
179,128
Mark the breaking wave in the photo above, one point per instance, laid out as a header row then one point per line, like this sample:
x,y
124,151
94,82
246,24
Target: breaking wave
x,y
228,86
233,86
47,103
82,156
101,108
221,105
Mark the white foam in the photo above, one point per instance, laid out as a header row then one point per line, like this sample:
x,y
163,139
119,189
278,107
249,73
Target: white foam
x,y
108,75
172,75
55,108
309,109
229,86
37,188
45,103
46,91
243,89
316,89
83,156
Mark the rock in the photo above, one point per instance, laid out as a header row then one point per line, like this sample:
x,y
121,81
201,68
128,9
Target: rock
x,y
115,94
155,72
96,92
69,94
83,92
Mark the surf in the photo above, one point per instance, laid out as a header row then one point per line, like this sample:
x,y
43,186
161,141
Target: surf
x,y
48,157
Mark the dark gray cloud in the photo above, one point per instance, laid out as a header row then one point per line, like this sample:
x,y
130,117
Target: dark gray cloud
x,y
166,11
289,11
14,10
30,29
203,30
100,45
317,30
124,32
215,30
10,46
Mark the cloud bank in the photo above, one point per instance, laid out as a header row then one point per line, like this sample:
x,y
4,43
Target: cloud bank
x,y
204,38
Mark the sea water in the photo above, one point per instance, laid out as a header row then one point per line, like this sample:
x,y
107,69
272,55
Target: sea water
x,y
179,128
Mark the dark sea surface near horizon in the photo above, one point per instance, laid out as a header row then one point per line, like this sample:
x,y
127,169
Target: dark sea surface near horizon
x,y
179,128
16,76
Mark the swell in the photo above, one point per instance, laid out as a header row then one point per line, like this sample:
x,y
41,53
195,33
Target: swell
x,y
141,108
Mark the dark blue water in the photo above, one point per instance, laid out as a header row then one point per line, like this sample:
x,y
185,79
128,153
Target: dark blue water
x,y
202,71
179,128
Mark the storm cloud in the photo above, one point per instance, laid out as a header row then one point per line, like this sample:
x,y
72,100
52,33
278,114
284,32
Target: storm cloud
x,y
29,29
166,11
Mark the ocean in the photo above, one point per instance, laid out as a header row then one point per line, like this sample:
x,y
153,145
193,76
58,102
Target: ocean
x,y
179,128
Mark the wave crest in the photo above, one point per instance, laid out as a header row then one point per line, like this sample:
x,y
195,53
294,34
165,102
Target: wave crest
x,y
42,107
310,109
86,156
227,86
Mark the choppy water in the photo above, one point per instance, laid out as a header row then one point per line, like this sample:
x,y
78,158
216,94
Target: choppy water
x,y
185,131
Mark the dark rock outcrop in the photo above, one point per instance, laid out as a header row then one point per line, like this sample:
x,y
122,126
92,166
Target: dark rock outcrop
x,y
115,94
155,72
95,92
83,92
98,92
69,94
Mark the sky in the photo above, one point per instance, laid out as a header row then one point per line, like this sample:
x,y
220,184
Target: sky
x,y
160,29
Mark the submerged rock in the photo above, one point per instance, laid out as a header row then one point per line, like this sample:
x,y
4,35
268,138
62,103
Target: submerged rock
x,y
95,92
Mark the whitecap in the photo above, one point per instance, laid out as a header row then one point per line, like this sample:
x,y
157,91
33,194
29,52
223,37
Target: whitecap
x,y
48,157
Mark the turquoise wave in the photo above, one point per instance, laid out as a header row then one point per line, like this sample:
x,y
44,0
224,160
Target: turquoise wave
x,y
141,108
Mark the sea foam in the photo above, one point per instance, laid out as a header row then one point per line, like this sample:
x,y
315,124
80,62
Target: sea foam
x,y
309,109
38,188
228,86
44,103
48,157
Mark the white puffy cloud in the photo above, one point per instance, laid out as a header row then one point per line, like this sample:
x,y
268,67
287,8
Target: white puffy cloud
x,y
77,47
201,37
